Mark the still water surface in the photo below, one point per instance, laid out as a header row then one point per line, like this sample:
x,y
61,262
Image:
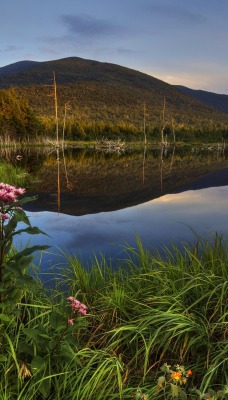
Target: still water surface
x,y
92,202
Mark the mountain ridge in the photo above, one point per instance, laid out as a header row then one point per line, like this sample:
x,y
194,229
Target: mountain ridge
x,y
17,66
216,100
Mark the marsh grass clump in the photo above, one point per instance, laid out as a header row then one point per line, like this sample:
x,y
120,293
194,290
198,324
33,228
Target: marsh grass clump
x,y
161,308
104,333
10,173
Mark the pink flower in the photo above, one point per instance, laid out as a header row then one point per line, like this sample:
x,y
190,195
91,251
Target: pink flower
x,y
3,195
77,305
70,321
82,311
19,191
4,217
9,194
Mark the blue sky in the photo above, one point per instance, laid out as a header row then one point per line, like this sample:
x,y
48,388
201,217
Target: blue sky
x,y
179,41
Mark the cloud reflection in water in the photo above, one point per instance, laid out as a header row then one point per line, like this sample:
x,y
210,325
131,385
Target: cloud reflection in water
x,y
169,219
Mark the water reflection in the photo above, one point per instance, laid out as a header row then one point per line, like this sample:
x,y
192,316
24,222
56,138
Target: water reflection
x,y
160,222
96,202
80,181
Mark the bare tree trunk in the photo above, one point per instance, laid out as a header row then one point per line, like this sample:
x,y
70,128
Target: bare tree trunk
x,y
173,130
56,111
163,122
144,124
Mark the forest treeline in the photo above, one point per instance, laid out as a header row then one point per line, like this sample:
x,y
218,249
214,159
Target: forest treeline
x,y
17,119
20,123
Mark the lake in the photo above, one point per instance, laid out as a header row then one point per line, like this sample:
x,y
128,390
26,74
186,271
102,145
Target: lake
x,y
92,201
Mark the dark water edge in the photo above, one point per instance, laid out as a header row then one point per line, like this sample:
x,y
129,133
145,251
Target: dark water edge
x,y
213,179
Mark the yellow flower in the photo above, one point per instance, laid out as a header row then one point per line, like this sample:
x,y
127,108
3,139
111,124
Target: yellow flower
x,y
176,375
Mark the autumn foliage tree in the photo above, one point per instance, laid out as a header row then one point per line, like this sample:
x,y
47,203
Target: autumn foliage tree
x,y
17,119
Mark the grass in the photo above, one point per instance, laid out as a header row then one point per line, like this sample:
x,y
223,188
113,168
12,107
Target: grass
x,y
9,173
151,310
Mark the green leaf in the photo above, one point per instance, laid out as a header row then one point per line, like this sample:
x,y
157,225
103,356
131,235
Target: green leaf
x,y
5,317
25,281
66,352
45,387
183,394
3,358
21,216
138,394
174,390
19,267
31,230
29,250
44,335
2,288
3,305
212,392
8,246
10,227
31,333
21,202
165,368
57,320
39,335
23,347
161,380
220,394
12,269
38,364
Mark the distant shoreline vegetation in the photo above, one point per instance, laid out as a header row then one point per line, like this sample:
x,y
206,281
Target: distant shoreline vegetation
x,y
20,123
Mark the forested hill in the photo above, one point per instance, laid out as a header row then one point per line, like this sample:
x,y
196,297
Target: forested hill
x,y
16,67
98,91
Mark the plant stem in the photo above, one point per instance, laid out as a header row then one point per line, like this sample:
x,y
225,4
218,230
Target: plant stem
x,y
1,255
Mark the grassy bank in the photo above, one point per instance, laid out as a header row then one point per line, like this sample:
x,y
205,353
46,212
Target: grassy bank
x,y
10,173
152,310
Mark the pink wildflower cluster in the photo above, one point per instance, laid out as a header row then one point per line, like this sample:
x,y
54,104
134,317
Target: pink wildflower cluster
x,y
76,306
4,217
9,194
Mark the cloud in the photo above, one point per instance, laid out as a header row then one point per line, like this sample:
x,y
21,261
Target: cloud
x,y
174,13
85,35
10,48
87,26
123,50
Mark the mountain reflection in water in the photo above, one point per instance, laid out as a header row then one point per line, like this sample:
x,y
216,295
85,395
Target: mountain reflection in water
x,y
93,202
83,181
160,222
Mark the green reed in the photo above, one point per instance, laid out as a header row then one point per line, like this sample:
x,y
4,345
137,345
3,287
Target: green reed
x,y
9,173
154,308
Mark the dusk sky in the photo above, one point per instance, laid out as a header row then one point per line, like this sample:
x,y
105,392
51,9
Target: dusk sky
x,y
179,41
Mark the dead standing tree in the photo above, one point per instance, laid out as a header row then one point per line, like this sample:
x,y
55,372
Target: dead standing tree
x,y
145,138
173,129
164,123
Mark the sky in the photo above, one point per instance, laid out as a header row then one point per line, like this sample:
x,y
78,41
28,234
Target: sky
x,y
182,42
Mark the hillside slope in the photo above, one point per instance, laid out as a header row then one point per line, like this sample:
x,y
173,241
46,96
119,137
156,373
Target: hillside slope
x,y
107,92
16,67
217,101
